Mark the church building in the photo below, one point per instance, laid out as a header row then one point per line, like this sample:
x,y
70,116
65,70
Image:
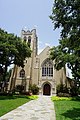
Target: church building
x,y
38,69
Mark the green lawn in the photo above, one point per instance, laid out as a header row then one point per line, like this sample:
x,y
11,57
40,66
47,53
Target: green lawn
x,y
67,109
8,103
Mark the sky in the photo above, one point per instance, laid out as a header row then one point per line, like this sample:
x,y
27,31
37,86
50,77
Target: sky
x,y
15,15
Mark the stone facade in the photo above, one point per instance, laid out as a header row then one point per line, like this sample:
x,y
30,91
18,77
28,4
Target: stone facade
x,y
38,69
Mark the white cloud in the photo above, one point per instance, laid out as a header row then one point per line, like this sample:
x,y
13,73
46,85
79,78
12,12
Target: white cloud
x,y
47,44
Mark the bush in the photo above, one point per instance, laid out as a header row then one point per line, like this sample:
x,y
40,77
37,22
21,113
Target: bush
x,y
64,95
6,94
56,98
34,89
62,89
19,88
26,93
74,91
79,91
3,93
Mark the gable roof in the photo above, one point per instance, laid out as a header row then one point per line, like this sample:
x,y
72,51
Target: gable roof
x,y
45,49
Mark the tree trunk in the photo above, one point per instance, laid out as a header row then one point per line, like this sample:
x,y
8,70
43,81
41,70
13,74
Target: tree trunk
x,y
4,78
13,78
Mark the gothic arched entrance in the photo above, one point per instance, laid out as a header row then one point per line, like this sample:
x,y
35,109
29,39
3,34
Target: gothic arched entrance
x,y
46,89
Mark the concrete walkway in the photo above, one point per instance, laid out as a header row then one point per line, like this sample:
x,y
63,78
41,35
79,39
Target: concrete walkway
x,y
40,109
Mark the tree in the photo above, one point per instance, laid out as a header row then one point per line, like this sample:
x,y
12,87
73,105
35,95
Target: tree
x,y
12,51
66,16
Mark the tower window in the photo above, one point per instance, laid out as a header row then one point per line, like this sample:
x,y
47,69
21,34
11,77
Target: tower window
x,y
22,73
47,68
25,38
29,41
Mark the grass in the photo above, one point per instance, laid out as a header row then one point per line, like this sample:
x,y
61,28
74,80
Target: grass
x,y
67,108
8,103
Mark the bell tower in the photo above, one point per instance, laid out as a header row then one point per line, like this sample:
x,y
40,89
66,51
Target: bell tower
x,y
25,76
30,37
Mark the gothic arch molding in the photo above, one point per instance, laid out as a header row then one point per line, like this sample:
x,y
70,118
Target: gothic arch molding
x,y
47,60
47,68
46,88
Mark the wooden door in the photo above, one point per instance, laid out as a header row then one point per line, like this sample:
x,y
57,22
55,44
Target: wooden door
x,y
46,89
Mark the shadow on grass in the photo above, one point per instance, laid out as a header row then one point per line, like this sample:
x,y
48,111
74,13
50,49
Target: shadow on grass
x,y
13,97
73,114
77,98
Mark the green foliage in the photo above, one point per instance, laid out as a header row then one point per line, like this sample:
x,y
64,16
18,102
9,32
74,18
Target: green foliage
x,y
64,94
63,91
34,89
33,97
79,90
74,90
12,51
19,88
56,98
65,15
4,84
62,88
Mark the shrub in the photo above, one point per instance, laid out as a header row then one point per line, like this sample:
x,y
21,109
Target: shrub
x,y
79,90
33,97
19,88
62,89
34,89
56,98
26,93
64,95
74,91
3,93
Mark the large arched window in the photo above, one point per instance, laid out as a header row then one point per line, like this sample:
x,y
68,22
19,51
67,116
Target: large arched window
x,y
22,73
47,68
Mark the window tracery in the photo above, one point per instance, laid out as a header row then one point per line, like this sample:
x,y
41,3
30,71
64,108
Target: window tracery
x,y
47,68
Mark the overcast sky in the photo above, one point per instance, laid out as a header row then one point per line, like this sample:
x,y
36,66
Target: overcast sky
x,y
18,14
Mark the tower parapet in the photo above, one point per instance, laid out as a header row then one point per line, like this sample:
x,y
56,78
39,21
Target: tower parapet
x,y
31,38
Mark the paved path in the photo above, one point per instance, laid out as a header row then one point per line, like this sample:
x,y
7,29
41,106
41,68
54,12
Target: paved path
x,y
40,109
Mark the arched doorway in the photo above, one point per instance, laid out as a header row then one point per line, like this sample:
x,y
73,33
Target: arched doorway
x,y
46,89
